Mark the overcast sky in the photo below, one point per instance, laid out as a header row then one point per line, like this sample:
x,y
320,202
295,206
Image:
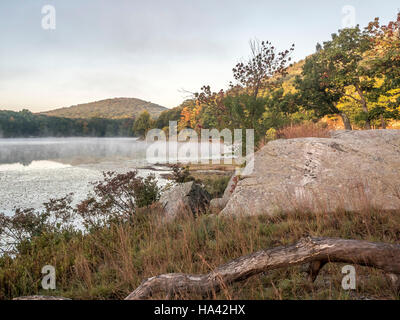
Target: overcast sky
x,y
152,50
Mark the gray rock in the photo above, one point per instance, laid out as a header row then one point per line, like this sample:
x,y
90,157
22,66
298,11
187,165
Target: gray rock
x,y
350,170
187,197
217,204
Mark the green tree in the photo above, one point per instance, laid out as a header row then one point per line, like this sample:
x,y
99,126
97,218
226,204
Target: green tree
x,y
166,116
315,92
246,112
341,65
142,124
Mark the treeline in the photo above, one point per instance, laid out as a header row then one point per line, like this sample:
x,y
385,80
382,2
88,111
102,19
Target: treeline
x,y
144,122
354,77
26,124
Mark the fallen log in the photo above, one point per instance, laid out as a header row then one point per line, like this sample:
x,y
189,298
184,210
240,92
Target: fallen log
x,y
315,251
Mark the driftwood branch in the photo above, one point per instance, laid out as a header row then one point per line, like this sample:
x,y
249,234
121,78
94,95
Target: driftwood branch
x,y
315,251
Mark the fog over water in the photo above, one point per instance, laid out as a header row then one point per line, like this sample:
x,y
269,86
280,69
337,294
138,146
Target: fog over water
x,y
25,151
34,170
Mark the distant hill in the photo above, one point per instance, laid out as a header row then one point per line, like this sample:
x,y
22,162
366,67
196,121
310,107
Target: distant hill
x,y
117,108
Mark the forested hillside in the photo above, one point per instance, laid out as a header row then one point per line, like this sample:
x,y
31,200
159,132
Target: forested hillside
x,y
117,108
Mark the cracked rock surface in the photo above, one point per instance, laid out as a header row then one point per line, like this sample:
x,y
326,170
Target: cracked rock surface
x,y
350,170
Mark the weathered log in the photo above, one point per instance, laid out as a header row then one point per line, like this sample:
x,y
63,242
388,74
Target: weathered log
x,y
316,251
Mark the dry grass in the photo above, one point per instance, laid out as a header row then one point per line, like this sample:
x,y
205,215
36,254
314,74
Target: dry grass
x,y
304,130
109,263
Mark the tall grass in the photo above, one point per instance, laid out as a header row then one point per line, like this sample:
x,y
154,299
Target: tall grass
x,y
109,263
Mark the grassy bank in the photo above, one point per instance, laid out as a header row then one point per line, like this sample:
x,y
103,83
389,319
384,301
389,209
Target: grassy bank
x,y
109,263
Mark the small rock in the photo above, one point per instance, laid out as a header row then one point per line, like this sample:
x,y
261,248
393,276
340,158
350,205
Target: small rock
x,y
217,204
187,197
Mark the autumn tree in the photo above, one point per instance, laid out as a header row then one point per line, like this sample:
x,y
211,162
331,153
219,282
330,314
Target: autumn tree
x,y
213,110
385,58
190,116
386,50
263,69
243,105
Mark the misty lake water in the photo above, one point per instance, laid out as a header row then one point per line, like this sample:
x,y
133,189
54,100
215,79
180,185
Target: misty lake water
x,y
34,170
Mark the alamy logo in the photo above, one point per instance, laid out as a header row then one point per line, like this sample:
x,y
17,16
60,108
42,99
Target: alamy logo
x,y
49,280
349,17
49,18
212,145
349,280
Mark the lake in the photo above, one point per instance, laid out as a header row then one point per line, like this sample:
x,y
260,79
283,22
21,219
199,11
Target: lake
x,y
34,170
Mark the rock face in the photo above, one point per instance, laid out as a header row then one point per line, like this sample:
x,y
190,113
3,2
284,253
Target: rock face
x,y
351,170
186,197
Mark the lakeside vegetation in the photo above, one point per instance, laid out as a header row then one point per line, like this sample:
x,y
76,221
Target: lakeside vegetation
x,y
351,81
121,244
124,240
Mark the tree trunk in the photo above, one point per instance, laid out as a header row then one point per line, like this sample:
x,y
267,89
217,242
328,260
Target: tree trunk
x,y
346,121
383,122
364,106
316,251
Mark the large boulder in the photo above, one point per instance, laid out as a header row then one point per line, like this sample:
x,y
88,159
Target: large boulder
x,y
187,197
351,170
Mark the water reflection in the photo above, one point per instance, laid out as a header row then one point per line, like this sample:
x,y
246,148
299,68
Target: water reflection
x,y
34,170
34,165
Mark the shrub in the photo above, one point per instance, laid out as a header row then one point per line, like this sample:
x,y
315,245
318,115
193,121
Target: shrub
x,y
25,224
181,174
117,198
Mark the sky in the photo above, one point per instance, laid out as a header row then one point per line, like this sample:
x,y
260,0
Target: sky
x,y
158,51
